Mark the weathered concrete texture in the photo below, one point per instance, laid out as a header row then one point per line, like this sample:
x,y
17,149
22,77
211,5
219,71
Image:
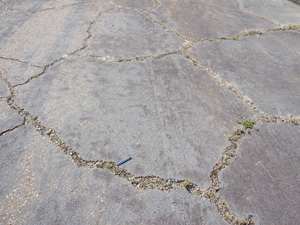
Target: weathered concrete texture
x,y
170,117
124,33
280,11
40,185
264,178
265,68
206,19
17,72
142,4
3,89
43,37
31,6
8,118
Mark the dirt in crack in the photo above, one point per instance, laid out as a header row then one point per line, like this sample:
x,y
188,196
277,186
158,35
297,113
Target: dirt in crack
x,y
155,182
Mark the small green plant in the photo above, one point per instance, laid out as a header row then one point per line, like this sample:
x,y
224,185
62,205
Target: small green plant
x,y
156,57
248,124
187,183
33,117
163,26
36,76
222,38
293,27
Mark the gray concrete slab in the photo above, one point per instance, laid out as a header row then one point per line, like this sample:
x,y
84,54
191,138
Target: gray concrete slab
x,y
124,33
170,117
31,6
18,72
283,12
264,179
142,4
265,68
121,78
32,38
3,89
206,19
8,118
40,185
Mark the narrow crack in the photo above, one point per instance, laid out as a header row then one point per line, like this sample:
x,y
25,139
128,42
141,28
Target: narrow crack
x,y
151,18
46,9
238,6
48,66
20,61
14,128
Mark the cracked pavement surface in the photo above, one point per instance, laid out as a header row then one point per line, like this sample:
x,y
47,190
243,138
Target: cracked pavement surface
x,y
203,95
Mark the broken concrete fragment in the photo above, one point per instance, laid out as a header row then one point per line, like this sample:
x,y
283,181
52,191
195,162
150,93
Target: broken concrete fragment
x,y
264,179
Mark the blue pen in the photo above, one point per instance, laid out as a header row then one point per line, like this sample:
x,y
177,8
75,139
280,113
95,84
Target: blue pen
x,y
124,161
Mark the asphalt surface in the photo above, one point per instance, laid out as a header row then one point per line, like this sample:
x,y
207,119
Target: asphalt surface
x,y
203,95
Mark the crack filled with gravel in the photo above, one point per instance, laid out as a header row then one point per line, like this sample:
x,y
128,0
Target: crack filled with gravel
x,y
135,59
241,130
139,182
231,87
